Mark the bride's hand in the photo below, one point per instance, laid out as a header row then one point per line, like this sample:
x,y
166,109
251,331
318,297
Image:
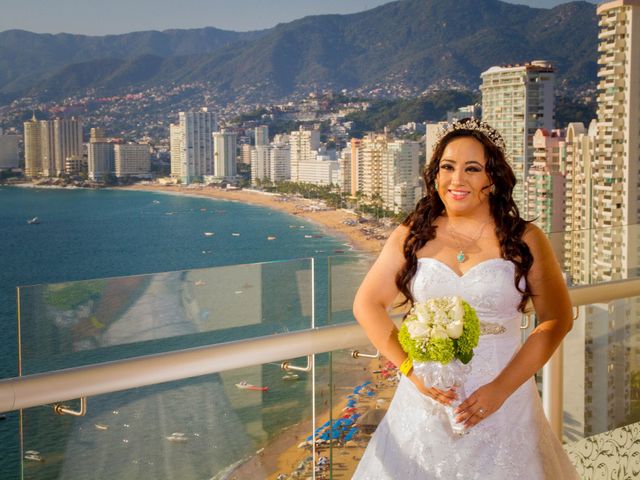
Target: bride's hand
x,y
441,396
479,405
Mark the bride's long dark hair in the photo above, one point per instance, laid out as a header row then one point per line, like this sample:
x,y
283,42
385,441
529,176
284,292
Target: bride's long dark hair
x,y
510,227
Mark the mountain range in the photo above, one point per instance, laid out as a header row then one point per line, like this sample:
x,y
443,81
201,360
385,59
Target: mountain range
x,y
413,44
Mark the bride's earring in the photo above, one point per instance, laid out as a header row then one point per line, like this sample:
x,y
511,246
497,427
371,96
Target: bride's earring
x,y
435,184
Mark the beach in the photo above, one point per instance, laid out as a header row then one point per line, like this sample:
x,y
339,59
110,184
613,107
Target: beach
x,y
365,237
290,454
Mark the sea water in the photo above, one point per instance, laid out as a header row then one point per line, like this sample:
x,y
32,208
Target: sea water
x,y
95,234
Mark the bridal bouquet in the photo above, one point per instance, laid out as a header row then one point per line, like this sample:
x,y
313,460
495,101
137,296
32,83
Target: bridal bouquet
x,y
439,336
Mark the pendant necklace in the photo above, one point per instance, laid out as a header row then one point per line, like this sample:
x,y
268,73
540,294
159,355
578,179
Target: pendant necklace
x,y
461,257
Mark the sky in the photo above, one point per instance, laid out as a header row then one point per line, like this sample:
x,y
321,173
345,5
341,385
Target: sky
x,y
103,17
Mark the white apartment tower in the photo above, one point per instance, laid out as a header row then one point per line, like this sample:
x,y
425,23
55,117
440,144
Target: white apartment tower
x,y
260,163
196,144
67,139
387,170
517,100
580,146
280,162
304,145
262,135
175,148
225,147
616,171
132,160
400,170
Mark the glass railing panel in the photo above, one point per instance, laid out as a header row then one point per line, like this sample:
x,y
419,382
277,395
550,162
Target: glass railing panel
x,y
205,427
602,369
78,323
602,388
361,387
345,274
598,255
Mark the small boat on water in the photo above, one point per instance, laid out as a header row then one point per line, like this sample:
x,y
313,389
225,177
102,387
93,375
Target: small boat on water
x,y
33,455
271,237
33,221
289,377
308,236
209,234
235,234
101,426
177,437
248,386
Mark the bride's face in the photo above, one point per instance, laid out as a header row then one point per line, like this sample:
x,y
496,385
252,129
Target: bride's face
x,y
463,183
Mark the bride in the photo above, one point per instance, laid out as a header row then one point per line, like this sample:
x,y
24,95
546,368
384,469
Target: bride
x,y
466,238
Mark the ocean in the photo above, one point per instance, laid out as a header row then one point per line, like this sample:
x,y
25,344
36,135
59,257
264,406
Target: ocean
x,y
98,234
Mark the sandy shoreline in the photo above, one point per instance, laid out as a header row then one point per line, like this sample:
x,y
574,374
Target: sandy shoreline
x,y
360,236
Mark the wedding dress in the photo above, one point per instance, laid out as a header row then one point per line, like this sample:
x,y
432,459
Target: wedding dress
x,y
415,441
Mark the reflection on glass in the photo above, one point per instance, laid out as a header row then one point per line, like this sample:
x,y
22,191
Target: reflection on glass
x,y
602,369
78,323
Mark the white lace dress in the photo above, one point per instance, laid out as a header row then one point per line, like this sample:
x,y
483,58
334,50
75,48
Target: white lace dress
x,y
414,440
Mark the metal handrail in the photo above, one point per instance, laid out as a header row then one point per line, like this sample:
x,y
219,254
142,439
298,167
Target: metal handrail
x,y
90,380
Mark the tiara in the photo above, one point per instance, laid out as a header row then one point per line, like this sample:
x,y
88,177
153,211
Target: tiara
x,y
475,125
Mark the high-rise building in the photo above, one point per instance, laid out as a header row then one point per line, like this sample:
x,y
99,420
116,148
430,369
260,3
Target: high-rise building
x,y
48,148
8,152
517,100
196,144
578,239
616,171
345,170
387,171
400,170
132,160
100,159
280,162
262,135
32,148
260,163
175,147
225,152
545,185
245,153
67,136
304,146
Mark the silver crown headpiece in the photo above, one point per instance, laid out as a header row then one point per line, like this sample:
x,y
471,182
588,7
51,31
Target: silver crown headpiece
x,y
477,126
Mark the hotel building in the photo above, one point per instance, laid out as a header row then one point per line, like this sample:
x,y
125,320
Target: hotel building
x,y
517,100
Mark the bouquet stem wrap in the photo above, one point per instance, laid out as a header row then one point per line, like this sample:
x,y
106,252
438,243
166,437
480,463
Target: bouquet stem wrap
x,y
445,377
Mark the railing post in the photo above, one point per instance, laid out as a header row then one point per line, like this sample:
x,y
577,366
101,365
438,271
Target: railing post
x,y
552,391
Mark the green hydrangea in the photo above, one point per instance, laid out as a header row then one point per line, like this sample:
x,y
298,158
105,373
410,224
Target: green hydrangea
x,y
470,335
443,350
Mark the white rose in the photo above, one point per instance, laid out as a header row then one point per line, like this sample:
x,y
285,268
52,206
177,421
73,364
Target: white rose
x,y
454,329
418,329
423,312
457,310
439,332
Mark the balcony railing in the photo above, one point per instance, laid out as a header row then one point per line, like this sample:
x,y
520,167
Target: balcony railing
x,y
161,360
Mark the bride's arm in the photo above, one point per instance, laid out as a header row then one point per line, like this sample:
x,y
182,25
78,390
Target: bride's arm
x,y
373,299
553,309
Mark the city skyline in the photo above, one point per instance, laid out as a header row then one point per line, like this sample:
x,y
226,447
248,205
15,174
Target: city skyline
x,y
78,17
